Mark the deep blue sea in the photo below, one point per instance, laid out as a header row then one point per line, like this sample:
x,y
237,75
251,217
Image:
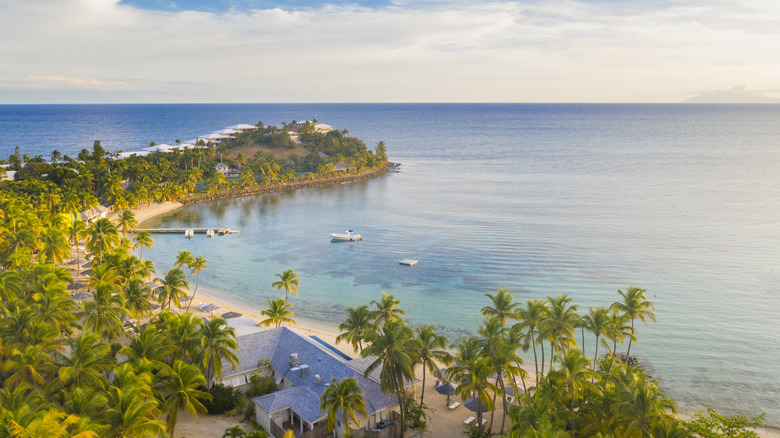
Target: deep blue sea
x,y
540,199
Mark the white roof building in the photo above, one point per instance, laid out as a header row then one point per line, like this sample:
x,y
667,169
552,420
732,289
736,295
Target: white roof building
x,y
243,127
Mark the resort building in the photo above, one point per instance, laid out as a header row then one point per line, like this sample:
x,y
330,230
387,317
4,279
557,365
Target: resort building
x,y
242,127
344,167
302,368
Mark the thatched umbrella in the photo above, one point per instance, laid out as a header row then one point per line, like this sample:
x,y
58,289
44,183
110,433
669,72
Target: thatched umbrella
x,y
228,315
446,389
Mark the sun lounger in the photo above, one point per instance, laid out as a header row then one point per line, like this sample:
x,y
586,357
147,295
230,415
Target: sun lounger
x,y
454,405
468,421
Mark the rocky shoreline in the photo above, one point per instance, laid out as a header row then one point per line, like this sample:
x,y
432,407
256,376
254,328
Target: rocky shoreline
x,y
300,184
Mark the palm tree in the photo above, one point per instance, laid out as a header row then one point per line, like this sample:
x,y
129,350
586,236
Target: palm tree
x,y
197,264
56,310
289,281
386,310
345,396
356,325
389,345
32,365
172,288
103,236
131,408
597,322
531,316
151,345
54,246
104,275
217,342
503,306
10,285
561,320
143,239
473,376
427,348
88,360
104,311
641,409
126,221
138,298
574,370
54,423
635,305
278,311
184,332
617,330
180,384
183,258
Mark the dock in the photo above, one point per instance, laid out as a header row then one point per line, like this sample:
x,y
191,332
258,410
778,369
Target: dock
x,y
408,262
217,230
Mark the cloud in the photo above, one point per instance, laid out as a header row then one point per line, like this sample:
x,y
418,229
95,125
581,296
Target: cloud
x,y
56,81
438,51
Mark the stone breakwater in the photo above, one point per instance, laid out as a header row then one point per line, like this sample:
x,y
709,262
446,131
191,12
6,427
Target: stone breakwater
x,y
294,185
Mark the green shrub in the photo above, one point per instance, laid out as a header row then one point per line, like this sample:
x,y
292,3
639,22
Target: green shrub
x,y
234,432
223,399
260,433
260,386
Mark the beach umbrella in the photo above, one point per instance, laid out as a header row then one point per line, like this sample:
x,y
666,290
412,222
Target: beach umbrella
x,y
446,389
76,286
81,296
229,315
88,272
474,404
87,265
73,262
208,307
440,373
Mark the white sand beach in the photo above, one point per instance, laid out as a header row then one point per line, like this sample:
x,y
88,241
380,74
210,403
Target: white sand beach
x,y
443,421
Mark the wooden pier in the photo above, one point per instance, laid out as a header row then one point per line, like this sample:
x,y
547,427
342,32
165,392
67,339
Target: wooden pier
x,y
220,231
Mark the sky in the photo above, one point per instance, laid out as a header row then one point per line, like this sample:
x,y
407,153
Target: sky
x,y
193,51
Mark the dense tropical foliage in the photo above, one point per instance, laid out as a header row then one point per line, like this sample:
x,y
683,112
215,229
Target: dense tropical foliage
x,y
83,366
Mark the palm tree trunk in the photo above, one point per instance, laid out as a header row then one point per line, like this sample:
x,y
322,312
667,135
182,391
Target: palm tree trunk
x,y
628,353
611,360
595,356
422,392
193,293
583,338
541,345
536,362
401,406
503,416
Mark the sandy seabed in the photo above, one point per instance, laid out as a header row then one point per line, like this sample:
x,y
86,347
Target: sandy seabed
x,y
443,421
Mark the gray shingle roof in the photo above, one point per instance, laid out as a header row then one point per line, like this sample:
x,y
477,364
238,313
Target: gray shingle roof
x,y
278,344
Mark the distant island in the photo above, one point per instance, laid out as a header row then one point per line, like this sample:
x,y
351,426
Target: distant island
x,y
736,95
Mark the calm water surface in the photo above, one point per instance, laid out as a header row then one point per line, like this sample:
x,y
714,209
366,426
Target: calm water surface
x,y
542,200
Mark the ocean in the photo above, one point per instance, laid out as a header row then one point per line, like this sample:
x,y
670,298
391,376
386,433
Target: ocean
x,y
539,199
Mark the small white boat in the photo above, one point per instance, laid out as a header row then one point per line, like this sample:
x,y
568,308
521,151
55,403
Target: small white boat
x,y
349,237
210,233
189,233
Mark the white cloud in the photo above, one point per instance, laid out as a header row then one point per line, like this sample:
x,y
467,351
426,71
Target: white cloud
x,y
564,51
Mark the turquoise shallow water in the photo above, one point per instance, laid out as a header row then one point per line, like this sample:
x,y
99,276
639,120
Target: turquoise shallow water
x,y
538,199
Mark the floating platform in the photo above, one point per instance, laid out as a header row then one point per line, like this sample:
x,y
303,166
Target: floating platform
x,y
408,262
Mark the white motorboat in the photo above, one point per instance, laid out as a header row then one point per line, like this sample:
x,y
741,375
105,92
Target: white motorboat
x,y
189,233
210,233
349,237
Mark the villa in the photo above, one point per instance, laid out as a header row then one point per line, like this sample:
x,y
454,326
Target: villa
x,y
302,368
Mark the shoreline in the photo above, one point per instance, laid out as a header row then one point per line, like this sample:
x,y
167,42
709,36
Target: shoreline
x,y
449,423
